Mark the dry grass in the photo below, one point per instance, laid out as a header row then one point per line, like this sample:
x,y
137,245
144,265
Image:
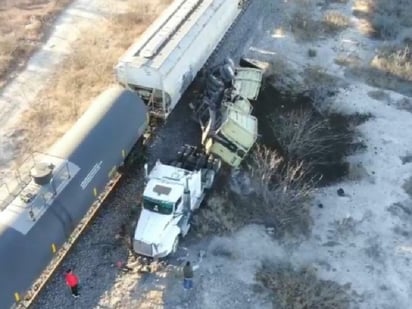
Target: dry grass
x,y
348,60
283,190
220,216
281,75
278,197
390,68
304,137
85,73
307,26
301,288
334,21
23,25
383,18
396,61
302,21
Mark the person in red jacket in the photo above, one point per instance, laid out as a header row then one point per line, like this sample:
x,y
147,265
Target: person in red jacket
x,y
73,282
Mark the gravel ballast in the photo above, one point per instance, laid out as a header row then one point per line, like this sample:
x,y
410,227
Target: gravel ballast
x,y
94,257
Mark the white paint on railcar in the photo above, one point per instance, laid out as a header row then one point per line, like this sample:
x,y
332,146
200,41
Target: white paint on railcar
x,y
22,213
89,177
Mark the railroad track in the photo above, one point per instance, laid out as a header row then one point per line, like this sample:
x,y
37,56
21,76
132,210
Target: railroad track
x,y
26,301
244,5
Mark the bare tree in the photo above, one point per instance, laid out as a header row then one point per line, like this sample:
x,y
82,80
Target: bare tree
x,y
283,190
305,138
302,288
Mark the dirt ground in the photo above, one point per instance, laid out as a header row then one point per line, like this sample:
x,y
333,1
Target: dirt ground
x,y
66,72
358,251
23,26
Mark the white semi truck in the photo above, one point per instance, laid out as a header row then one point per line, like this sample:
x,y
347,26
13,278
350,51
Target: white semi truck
x,y
172,192
160,67
166,58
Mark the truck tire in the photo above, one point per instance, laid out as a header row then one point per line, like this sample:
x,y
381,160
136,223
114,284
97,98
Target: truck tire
x,y
214,83
229,61
226,73
210,93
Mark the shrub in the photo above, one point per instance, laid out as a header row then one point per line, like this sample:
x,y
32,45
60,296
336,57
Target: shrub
x,y
86,72
304,137
301,288
385,16
395,60
385,27
302,22
312,52
283,190
335,21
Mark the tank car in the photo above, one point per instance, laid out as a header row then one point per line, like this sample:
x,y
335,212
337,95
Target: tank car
x,y
41,212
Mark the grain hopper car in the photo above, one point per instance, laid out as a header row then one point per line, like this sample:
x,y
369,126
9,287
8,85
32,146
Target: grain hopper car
x,y
40,212
166,58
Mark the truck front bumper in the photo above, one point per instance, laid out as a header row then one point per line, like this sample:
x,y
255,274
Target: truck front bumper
x,y
148,250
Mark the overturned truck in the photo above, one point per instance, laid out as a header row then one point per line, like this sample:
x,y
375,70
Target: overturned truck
x,y
224,111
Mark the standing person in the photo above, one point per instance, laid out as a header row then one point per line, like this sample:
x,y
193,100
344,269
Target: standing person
x,y
187,276
73,282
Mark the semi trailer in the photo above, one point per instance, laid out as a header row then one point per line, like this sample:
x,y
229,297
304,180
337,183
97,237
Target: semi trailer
x,y
38,217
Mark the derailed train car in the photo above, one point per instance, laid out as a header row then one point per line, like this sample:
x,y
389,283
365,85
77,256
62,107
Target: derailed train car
x,y
165,59
64,183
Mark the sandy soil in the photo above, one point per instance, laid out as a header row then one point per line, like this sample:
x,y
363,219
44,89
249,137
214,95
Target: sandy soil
x,y
360,238
23,26
22,89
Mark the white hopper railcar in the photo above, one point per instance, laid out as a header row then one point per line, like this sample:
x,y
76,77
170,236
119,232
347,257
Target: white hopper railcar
x,y
167,57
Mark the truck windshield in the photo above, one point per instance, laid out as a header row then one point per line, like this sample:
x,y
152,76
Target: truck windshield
x,y
162,207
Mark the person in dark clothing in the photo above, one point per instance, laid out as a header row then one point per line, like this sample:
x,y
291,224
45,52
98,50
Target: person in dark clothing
x,y
187,276
73,282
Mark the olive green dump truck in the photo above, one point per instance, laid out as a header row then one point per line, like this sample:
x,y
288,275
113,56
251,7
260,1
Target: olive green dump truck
x,y
225,111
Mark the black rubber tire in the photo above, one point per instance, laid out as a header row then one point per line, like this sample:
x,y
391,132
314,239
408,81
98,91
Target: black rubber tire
x,y
214,83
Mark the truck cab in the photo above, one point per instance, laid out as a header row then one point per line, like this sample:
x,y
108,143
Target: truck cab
x,y
229,130
171,194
